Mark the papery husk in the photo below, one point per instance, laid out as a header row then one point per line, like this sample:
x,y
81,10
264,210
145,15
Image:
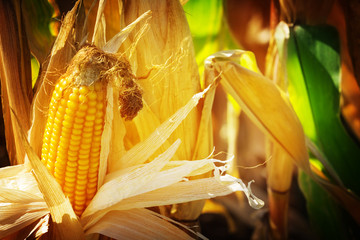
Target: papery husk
x,y
280,166
253,92
147,223
280,169
15,76
20,200
165,55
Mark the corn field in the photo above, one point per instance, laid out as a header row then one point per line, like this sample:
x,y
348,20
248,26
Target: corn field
x,y
190,119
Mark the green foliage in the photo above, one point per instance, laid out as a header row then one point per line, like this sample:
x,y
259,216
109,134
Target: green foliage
x,y
313,67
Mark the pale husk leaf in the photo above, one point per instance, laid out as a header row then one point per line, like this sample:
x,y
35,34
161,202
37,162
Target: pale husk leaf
x,y
126,184
113,45
136,224
253,92
174,77
280,169
15,75
141,152
21,201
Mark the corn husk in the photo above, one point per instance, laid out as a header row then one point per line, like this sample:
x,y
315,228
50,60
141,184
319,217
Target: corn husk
x,y
15,72
253,92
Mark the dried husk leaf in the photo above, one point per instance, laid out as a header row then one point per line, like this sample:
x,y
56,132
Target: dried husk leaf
x,y
174,77
136,224
15,75
21,202
252,91
141,152
280,171
172,81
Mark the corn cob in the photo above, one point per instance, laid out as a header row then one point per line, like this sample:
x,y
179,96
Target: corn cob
x,y
72,137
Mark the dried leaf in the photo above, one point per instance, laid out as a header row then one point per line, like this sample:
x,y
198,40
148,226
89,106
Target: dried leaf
x,y
253,92
137,224
15,75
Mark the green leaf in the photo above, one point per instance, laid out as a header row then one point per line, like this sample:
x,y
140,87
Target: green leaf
x,y
329,218
313,67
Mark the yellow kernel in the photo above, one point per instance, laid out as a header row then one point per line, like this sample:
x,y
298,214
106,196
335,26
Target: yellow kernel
x,y
92,185
84,152
63,102
72,153
59,175
83,107
100,106
71,169
89,123
80,114
97,138
83,167
75,137
83,98
81,172
92,96
69,184
85,146
70,174
83,90
80,187
86,140
91,190
99,121
74,97
81,177
77,131
74,147
79,120
87,129
70,111
67,124
77,126
69,118
91,110
72,158
98,127
98,132
74,142
80,195
70,179
90,118
83,161
68,189
92,103
72,164
92,175
95,149
87,134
